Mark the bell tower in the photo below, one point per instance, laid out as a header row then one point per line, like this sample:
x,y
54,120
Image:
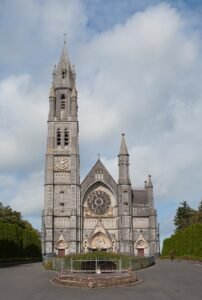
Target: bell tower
x,y
61,214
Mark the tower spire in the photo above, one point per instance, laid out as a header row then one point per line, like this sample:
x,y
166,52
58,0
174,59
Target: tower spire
x,y
64,76
123,147
64,57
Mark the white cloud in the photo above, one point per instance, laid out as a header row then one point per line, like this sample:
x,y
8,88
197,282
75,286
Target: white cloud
x,y
142,77
58,17
23,110
146,73
29,195
34,30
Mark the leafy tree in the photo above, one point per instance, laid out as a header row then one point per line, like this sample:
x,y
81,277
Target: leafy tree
x,y
187,238
18,239
183,216
7,215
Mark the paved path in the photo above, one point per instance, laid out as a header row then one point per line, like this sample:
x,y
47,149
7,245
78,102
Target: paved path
x,y
165,281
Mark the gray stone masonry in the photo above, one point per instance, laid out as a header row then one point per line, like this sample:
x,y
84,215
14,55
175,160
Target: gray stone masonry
x,y
99,213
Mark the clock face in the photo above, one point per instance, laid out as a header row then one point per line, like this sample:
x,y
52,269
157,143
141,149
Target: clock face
x,y
99,202
62,163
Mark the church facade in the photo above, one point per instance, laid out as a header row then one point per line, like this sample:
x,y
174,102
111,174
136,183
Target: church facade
x,y
98,213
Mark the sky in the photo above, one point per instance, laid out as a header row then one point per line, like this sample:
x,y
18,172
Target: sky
x,y
139,71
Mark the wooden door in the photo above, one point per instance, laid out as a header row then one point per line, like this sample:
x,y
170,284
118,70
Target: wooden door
x,y
141,252
61,252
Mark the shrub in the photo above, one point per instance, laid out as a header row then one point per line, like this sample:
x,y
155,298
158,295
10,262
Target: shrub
x,y
48,265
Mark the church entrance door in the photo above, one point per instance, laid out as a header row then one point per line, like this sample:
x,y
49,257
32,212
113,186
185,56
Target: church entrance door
x,y
140,252
61,252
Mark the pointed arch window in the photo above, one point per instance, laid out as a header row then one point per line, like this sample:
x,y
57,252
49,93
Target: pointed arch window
x,y
66,137
58,137
62,101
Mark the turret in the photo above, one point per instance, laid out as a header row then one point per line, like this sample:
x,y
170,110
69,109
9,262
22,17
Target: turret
x,y
73,73
145,184
125,196
74,106
150,192
51,103
123,158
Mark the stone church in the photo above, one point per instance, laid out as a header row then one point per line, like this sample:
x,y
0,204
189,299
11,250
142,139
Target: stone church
x,y
97,213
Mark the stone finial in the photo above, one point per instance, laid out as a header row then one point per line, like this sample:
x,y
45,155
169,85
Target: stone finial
x,y
74,92
145,184
73,70
150,185
54,70
52,92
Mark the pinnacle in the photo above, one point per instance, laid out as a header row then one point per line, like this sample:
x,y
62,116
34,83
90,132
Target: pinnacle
x,y
74,92
150,185
123,148
52,92
64,58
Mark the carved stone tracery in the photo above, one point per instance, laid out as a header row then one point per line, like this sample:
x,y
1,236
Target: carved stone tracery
x,y
99,202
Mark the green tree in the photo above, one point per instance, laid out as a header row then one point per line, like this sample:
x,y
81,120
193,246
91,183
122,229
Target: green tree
x,y
17,236
7,215
200,206
183,216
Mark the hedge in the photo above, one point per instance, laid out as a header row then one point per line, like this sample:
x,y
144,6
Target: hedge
x,y
187,242
18,242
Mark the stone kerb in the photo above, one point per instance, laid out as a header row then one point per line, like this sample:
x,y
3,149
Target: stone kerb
x,y
96,280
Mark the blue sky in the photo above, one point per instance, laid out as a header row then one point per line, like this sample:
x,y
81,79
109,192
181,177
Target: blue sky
x,y
139,71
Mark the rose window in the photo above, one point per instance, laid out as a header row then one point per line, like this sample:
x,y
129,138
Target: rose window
x,y
99,202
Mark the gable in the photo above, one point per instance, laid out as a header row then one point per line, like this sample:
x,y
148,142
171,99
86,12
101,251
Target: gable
x,y
98,174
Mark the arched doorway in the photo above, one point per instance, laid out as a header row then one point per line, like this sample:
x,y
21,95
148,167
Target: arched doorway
x,y
61,246
100,242
140,246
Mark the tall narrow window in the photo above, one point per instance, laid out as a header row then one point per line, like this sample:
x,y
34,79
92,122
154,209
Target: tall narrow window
x,y
66,137
58,137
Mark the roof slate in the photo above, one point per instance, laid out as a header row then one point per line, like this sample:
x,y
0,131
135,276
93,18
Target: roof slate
x,y
140,197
